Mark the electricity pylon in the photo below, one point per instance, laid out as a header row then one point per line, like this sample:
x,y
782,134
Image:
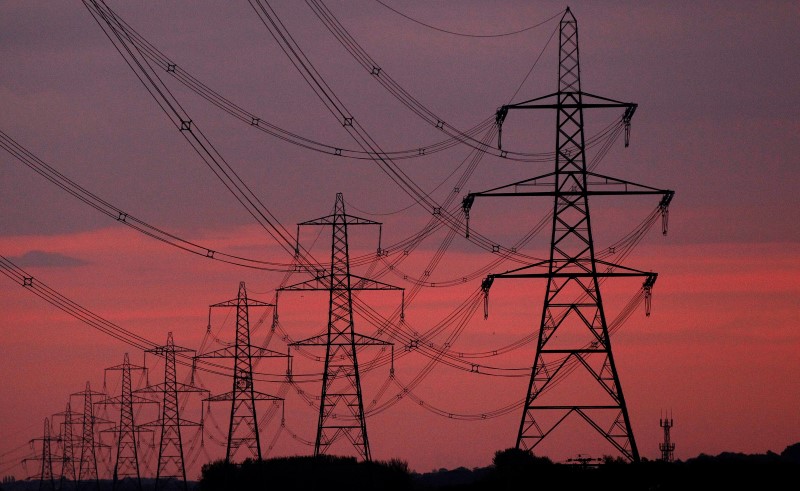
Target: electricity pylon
x,y
67,443
341,408
87,468
171,470
126,468
573,335
667,448
46,479
243,428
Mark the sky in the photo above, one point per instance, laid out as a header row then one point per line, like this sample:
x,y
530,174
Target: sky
x,y
715,84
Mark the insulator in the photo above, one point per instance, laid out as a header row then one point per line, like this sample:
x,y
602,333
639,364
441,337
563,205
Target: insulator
x,y
485,285
500,116
627,134
663,206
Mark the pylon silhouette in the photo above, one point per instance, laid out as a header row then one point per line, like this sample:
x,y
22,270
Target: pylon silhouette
x,y
243,428
171,470
87,469
573,335
341,409
126,467
66,439
46,478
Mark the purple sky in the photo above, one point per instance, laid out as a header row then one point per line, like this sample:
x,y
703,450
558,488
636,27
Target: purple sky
x,y
716,84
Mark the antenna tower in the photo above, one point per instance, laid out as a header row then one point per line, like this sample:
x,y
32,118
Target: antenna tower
x,y
667,448
573,336
243,429
126,467
341,409
171,471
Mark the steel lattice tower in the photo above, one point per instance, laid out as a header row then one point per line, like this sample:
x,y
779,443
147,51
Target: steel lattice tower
x,y
243,429
126,467
87,470
573,337
341,409
667,448
46,479
67,441
171,471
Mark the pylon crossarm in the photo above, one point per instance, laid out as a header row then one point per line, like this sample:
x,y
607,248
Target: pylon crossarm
x,y
265,353
228,352
520,188
363,340
178,387
628,185
347,219
619,270
317,283
533,181
138,428
158,423
612,270
320,340
362,283
119,400
229,396
540,102
357,340
235,303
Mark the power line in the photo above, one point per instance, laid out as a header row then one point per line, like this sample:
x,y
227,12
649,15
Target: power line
x,y
466,34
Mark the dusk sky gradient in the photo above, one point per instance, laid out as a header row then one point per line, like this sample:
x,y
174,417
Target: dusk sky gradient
x,y
717,121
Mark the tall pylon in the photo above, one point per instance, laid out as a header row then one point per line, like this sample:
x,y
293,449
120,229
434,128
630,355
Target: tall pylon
x,y
573,336
243,429
69,475
126,467
341,409
88,477
667,448
171,470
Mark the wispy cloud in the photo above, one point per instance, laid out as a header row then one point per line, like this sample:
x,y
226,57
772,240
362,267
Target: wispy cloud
x,y
47,259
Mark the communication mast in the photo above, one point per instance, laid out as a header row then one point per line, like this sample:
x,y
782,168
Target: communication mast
x,y
573,334
243,429
667,448
341,408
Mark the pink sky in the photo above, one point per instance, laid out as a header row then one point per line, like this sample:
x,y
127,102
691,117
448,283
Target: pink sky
x,y
716,122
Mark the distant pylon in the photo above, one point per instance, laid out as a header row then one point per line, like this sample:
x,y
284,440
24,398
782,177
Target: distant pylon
x,y
87,469
341,409
243,428
667,448
69,475
573,337
171,471
126,467
46,479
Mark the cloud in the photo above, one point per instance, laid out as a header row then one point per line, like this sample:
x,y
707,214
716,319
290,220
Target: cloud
x,y
47,259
